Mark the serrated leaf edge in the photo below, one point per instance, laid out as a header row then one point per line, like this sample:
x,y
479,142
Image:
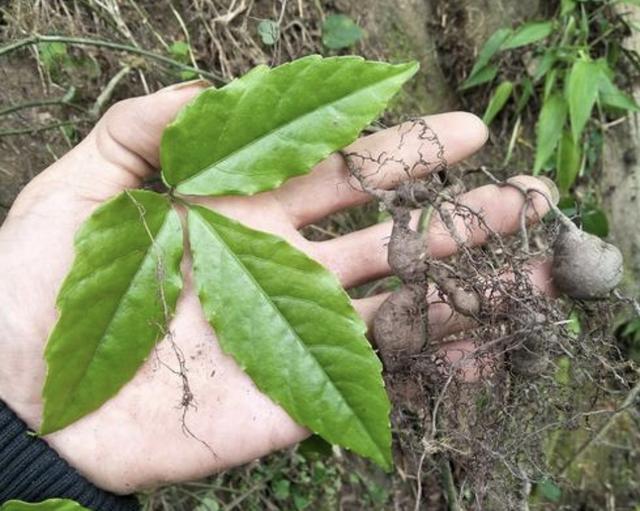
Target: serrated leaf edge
x,y
384,457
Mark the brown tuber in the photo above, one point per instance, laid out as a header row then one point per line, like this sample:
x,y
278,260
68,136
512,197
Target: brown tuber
x,y
399,328
584,266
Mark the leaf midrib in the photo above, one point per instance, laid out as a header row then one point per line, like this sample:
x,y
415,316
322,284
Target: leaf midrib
x,y
278,128
100,342
210,228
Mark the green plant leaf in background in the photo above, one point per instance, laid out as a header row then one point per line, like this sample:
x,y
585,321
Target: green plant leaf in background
x,y
594,220
525,93
550,83
611,96
208,504
291,327
266,127
549,490
582,91
314,447
340,31
545,64
490,48
53,54
113,304
528,33
549,129
568,162
45,505
179,50
269,32
567,6
486,74
498,100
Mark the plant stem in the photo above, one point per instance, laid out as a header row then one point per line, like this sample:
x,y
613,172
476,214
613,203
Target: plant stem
x,y
107,92
37,129
38,103
449,484
85,41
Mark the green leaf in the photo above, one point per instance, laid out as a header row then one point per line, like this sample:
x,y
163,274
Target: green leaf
x,y
114,304
273,124
293,330
549,129
594,221
340,31
550,490
568,162
180,51
528,33
498,100
524,95
46,505
53,53
550,83
611,96
489,49
208,504
281,489
547,61
582,92
314,447
269,32
486,74
567,7
301,502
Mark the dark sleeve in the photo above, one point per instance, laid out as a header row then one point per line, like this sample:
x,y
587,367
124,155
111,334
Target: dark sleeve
x,y
32,471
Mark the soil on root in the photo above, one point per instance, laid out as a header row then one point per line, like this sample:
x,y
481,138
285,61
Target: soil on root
x,y
479,395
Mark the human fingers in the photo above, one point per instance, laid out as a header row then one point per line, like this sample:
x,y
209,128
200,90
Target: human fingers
x,y
411,149
123,147
443,320
361,256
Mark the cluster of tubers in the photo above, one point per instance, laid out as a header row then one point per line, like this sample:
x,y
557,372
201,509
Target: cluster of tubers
x,y
584,267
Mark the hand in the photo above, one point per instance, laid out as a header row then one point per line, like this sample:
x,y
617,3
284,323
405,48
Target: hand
x,y
137,438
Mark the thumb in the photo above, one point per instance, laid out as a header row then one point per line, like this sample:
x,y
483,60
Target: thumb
x,y
123,147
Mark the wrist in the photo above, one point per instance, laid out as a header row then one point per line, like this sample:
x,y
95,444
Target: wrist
x,y
32,471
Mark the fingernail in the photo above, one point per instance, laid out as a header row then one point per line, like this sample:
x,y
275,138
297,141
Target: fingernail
x,y
554,193
201,83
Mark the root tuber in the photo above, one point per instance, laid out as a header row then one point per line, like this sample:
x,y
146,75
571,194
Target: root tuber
x,y
584,266
400,326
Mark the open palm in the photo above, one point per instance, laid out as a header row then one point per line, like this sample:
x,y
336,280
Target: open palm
x,y
138,438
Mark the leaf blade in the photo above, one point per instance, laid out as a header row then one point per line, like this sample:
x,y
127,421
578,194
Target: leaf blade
x,y
549,129
45,505
325,374
273,124
340,31
568,164
114,304
528,33
611,96
497,102
489,49
582,92
484,75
